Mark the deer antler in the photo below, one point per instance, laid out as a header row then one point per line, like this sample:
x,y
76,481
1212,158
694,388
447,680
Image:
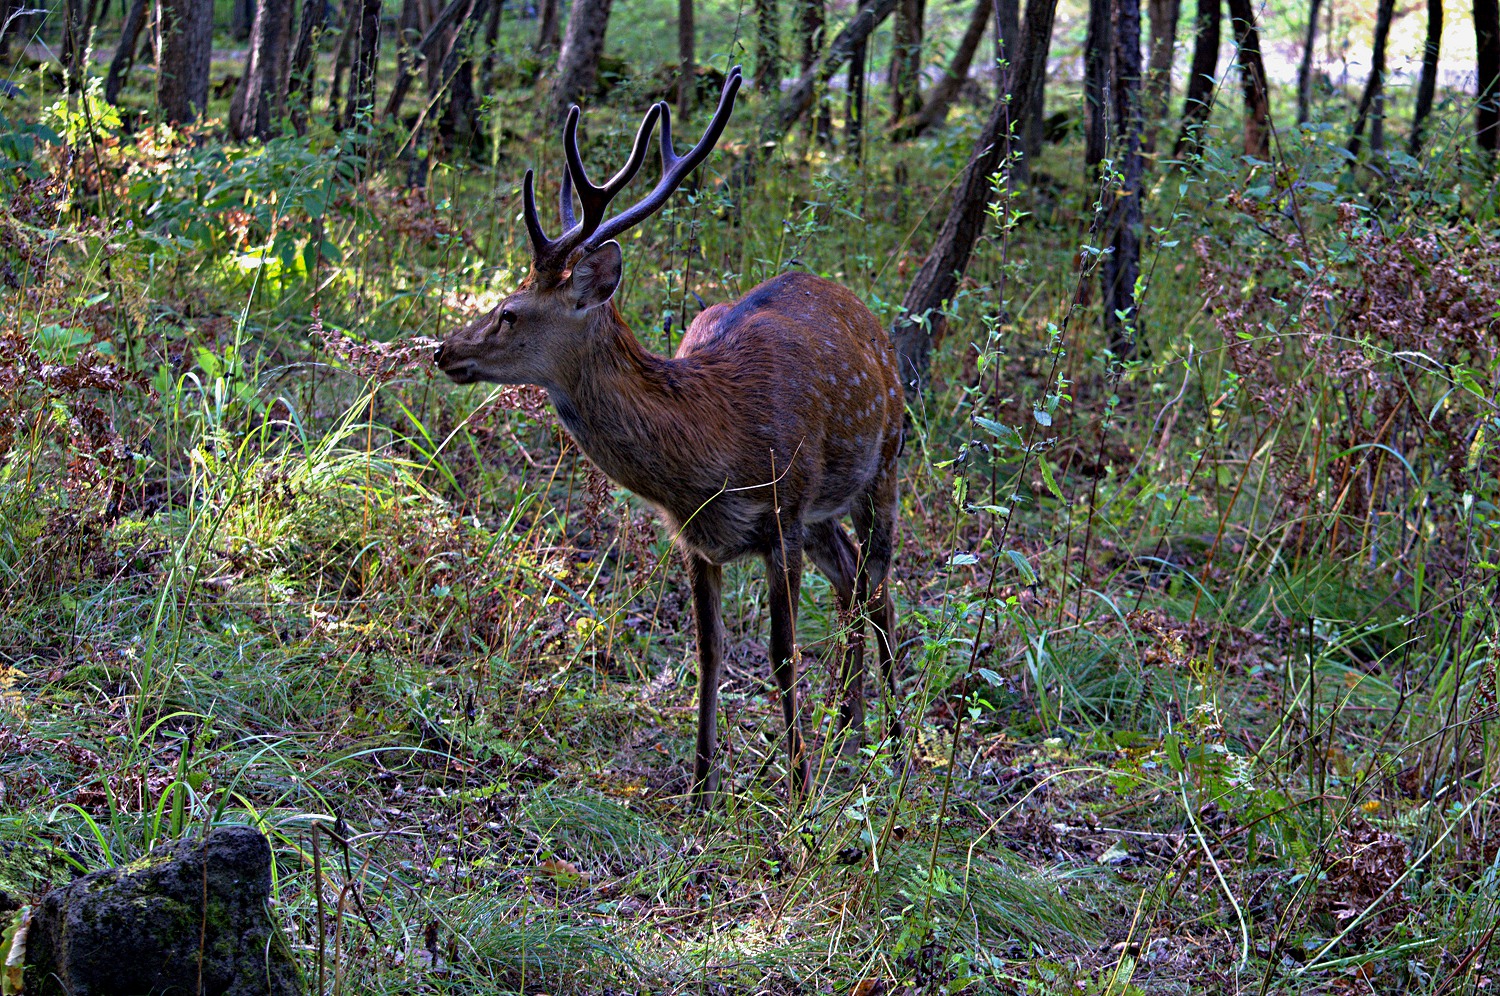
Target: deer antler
x,y
551,255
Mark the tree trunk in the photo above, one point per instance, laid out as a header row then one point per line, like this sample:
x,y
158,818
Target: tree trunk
x,y
940,97
578,62
1121,267
364,22
1031,79
546,31
920,326
491,47
1253,78
241,19
260,98
186,45
1487,61
428,52
854,106
74,46
459,124
1375,85
1427,87
305,61
687,71
811,26
768,65
1304,71
1201,77
906,59
124,59
1097,102
408,56
1007,42
795,102
1164,17
341,63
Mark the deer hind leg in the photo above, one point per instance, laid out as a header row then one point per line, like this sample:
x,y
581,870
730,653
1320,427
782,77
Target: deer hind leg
x,y
707,580
784,579
836,554
875,525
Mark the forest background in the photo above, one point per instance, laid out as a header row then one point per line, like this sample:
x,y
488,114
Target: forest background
x,y
1199,555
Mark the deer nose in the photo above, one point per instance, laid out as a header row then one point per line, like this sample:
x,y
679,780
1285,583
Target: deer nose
x,y
437,354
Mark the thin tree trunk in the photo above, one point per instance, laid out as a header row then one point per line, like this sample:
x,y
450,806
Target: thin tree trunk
x,y
938,278
1164,17
795,102
341,61
811,26
578,62
1487,62
921,325
1375,85
1031,80
1121,267
768,64
1201,77
491,47
459,123
1097,45
1253,78
304,62
124,58
408,56
241,19
427,52
1007,42
364,21
546,31
1427,86
687,71
1304,71
186,45
854,106
260,98
906,59
73,46
935,108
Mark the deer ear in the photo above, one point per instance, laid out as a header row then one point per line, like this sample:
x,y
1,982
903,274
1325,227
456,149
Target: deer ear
x,y
596,276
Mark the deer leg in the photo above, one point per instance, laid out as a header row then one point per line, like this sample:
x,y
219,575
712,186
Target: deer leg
x,y
837,556
706,580
875,525
784,579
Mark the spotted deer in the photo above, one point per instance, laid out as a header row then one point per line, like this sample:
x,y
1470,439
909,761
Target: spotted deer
x,y
779,414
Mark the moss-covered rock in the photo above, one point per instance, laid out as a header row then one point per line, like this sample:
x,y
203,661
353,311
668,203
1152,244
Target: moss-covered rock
x,y
189,918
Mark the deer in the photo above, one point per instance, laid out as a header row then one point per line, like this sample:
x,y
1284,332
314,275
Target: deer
x,y
779,414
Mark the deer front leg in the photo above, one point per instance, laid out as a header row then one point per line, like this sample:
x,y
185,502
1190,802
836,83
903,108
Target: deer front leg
x,y
784,579
707,580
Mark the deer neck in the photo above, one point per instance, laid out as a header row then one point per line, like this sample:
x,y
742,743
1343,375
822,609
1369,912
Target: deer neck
x,y
618,402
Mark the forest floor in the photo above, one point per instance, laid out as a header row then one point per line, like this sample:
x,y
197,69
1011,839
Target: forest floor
x,y
1198,641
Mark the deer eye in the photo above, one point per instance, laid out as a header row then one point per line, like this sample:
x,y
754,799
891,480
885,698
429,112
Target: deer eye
x,y
507,317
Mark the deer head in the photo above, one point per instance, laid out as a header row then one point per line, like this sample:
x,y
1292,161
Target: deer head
x,y
533,335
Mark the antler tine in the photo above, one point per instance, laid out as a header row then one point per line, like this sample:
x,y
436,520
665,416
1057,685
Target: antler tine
x,y
674,168
540,244
565,200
